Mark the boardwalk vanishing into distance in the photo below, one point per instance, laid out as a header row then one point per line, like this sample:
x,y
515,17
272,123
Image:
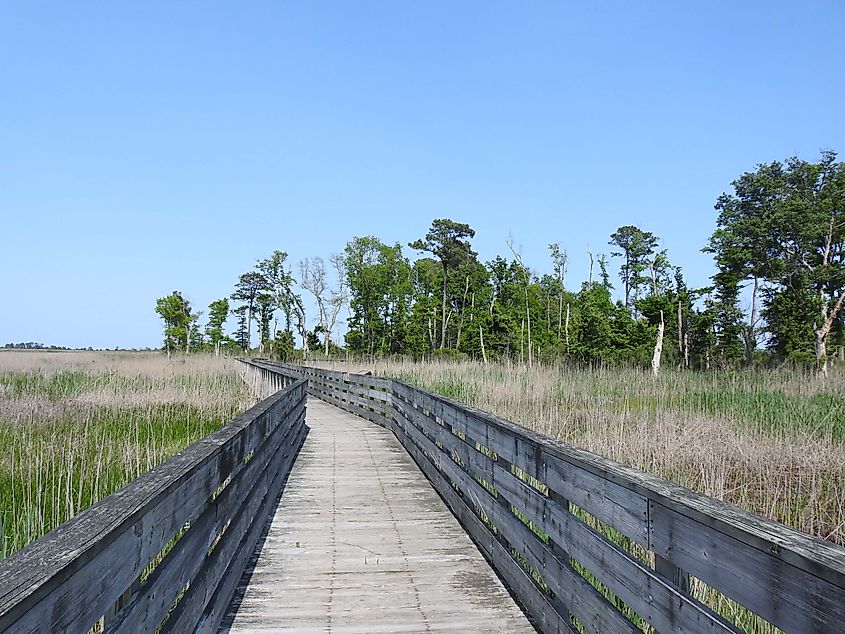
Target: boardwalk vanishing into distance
x,y
360,542
350,503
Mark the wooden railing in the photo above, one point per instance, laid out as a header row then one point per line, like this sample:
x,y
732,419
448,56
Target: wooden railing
x,y
581,540
166,552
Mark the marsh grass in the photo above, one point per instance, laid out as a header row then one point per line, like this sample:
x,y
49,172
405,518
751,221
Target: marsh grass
x,y
75,427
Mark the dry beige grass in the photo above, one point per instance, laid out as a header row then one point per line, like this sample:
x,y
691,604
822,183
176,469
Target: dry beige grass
x,y
128,364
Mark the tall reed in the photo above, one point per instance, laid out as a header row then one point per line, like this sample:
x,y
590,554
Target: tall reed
x,y
75,427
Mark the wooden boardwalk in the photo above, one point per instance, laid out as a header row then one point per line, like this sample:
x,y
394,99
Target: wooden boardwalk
x,y
361,542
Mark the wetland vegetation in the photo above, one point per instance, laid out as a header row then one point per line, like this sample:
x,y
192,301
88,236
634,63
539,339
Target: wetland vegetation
x,y
77,426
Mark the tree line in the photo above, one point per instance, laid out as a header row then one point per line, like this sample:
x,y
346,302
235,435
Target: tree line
x,y
777,295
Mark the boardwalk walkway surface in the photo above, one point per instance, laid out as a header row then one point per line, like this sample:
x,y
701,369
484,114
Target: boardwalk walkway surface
x,y
361,542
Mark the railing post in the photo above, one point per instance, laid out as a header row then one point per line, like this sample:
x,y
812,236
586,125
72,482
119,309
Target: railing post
x,y
678,577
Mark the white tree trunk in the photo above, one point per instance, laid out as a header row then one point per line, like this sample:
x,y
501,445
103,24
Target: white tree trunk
x,y
658,347
828,316
821,351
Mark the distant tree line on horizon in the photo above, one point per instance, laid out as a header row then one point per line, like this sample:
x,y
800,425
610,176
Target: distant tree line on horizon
x,y
32,345
35,345
777,296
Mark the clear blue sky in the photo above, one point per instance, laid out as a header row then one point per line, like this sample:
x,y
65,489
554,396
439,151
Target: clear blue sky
x,y
153,146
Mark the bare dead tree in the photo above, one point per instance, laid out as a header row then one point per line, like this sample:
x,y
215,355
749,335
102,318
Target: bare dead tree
x,y
527,281
337,297
329,301
658,347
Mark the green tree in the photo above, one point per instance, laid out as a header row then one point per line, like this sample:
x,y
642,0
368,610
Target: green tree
x,y
635,247
175,311
284,345
280,284
249,286
741,246
446,240
196,341
593,340
559,260
218,312
241,334
814,243
265,307
379,282
784,225
427,280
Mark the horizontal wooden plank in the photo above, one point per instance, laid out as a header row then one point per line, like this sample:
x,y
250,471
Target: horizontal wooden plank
x,y
219,602
620,508
502,479
371,381
329,396
363,401
656,600
289,373
369,392
790,598
357,395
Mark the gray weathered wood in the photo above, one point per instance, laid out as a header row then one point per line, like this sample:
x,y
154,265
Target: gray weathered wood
x,y
783,595
226,563
537,604
620,508
815,556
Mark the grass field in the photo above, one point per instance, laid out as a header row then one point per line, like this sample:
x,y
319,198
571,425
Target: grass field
x,y
76,426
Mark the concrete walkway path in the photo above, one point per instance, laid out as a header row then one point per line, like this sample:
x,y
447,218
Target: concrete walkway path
x,y
361,542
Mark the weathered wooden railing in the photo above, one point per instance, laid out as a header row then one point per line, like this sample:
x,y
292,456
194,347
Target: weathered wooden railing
x,y
167,550
581,539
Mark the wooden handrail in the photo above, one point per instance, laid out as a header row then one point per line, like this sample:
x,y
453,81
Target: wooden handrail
x,y
166,550
577,535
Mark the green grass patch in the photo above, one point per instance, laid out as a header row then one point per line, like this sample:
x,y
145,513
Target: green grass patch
x,y
99,431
